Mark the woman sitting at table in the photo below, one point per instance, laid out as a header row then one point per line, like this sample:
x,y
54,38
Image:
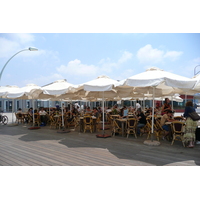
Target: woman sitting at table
x,y
166,118
166,106
115,110
95,112
124,112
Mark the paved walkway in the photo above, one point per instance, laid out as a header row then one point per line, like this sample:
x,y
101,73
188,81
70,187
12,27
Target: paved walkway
x,y
20,146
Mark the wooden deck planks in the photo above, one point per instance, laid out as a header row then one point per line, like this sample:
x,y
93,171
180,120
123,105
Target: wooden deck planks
x,y
19,147
81,156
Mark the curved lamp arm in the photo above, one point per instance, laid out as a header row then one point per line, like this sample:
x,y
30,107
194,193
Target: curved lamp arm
x,y
29,49
195,69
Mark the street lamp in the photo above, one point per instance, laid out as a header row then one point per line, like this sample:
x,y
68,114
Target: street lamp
x,y
29,49
195,69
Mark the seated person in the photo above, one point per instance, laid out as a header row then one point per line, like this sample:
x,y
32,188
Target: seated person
x,y
125,112
88,110
43,116
95,112
19,111
166,106
148,111
19,115
141,120
166,118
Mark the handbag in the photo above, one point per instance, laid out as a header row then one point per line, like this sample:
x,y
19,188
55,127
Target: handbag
x,y
194,116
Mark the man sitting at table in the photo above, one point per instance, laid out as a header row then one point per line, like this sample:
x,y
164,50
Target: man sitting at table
x,y
141,120
166,118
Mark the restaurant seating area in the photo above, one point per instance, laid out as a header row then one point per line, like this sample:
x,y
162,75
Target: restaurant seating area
x,y
115,124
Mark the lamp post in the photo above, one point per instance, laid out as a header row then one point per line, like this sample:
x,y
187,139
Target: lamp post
x,y
29,49
195,69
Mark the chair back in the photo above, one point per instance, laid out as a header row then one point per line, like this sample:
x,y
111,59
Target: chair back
x,y
178,118
87,120
177,127
131,122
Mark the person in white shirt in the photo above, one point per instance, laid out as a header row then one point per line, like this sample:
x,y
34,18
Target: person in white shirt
x,y
43,116
137,105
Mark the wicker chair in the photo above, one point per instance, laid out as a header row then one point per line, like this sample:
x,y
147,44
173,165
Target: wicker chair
x,y
87,120
178,131
131,126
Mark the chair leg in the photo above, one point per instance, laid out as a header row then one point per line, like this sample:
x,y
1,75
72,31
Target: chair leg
x,y
135,135
173,140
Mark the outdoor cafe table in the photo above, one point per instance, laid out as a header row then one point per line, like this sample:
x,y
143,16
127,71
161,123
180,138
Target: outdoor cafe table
x,y
122,121
114,116
82,124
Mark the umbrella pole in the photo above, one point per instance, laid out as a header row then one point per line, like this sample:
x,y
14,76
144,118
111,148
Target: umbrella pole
x,y
49,107
103,112
33,112
33,127
63,125
12,110
172,102
152,122
103,128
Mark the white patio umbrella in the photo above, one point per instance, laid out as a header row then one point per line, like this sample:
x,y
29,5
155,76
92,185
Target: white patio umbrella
x,y
5,89
3,92
30,91
156,78
101,87
59,90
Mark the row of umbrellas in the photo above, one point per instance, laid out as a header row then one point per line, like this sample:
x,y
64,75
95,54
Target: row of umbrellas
x,y
154,82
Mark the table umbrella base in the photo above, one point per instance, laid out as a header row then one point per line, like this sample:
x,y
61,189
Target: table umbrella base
x,y
106,128
13,124
152,143
103,136
63,131
34,127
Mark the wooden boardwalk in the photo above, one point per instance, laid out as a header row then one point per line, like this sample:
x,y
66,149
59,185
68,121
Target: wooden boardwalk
x,y
20,146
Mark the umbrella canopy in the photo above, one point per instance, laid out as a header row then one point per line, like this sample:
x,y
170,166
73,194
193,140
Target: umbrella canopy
x,y
58,87
156,78
101,87
196,88
159,78
27,92
5,89
54,90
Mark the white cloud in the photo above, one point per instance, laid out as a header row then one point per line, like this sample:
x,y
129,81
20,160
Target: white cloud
x,y
75,67
13,42
173,55
22,38
43,80
126,56
7,47
104,67
149,55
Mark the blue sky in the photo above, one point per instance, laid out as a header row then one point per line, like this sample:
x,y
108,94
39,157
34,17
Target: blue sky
x,y
80,57
81,40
